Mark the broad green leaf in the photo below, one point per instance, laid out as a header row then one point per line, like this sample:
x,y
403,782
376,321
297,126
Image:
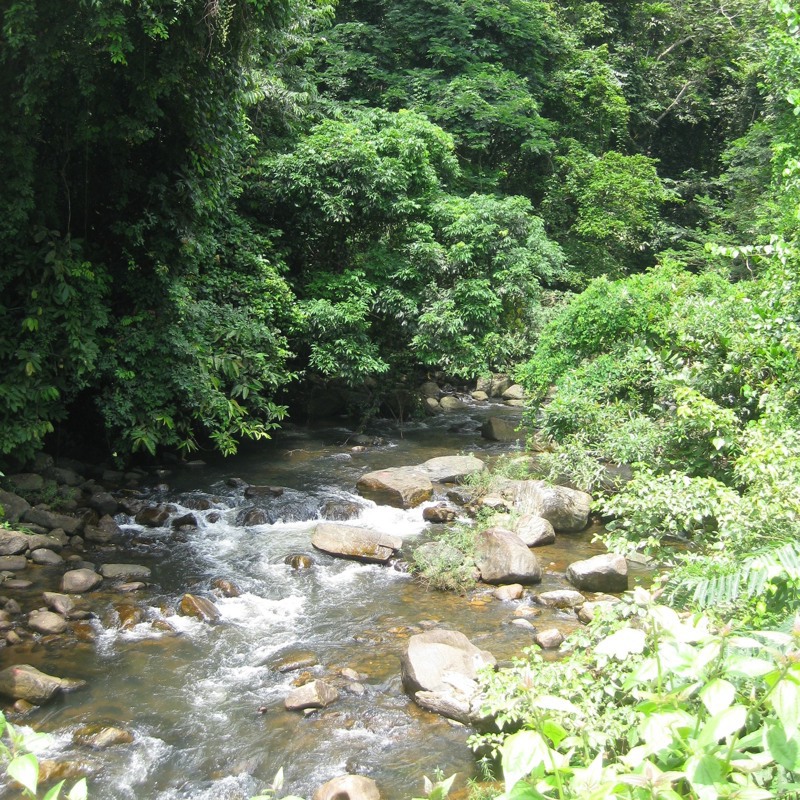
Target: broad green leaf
x,y
784,749
703,772
786,702
521,753
723,725
748,667
522,790
717,695
55,791
554,732
25,771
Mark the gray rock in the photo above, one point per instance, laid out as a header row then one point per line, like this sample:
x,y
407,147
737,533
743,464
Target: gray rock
x,y
316,694
55,541
514,403
14,506
12,543
65,476
432,404
439,670
225,587
480,396
401,487
103,503
502,429
450,403
430,389
24,682
502,557
13,563
452,469
587,612
535,531
77,581
439,514
299,561
561,598
49,520
60,603
499,385
514,392
341,510
153,516
126,572
104,532
566,509
511,591
46,557
604,573
27,482
361,544
549,639
252,517
46,622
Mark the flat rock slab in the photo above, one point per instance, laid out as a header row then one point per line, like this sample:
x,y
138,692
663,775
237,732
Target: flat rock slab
x,y
452,469
125,572
561,598
401,487
362,544
604,573
13,563
24,682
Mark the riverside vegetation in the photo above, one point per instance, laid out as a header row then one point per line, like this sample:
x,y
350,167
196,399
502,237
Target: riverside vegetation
x,y
211,209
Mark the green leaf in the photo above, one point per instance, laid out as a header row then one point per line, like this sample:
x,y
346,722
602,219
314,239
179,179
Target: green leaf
x,y
784,749
25,771
55,791
748,667
80,791
723,725
525,751
703,772
786,702
717,695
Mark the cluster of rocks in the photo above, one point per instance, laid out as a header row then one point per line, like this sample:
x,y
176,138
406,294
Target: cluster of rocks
x,y
496,387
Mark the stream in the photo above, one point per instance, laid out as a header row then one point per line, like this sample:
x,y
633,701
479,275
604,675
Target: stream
x,y
204,702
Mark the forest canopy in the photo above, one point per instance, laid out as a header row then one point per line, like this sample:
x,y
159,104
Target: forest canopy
x,y
209,206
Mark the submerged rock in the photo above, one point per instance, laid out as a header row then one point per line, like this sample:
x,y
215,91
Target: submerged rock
x,y
361,544
299,561
401,487
101,736
126,572
24,682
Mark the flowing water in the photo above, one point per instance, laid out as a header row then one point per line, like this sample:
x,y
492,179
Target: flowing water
x,y
205,702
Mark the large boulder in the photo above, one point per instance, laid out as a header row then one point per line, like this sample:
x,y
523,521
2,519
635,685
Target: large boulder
x,y
348,787
452,469
46,622
12,543
105,531
502,557
316,694
502,429
50,520
535,531
361,544
450,403
13,506
604,573
567,510
401,487
77,581
514,392
439,669
24,682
